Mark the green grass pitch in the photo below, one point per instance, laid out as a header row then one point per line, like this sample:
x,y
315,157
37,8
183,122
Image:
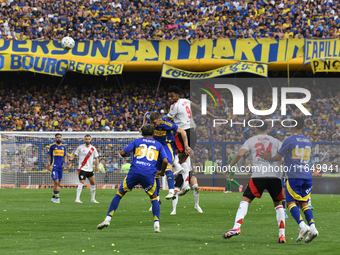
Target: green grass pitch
x,y
30,224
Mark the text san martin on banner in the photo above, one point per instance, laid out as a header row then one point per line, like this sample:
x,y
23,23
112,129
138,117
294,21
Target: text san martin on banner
x,y
176,73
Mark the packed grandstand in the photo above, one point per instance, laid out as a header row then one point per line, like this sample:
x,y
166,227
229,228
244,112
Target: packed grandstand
x,y
89,103
168,20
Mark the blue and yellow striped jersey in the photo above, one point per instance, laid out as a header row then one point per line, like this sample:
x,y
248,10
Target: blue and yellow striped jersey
x,y
57,153
163,132
296,150
146,153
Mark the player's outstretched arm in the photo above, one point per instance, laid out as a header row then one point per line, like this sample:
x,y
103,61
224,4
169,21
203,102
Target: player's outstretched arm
x,y
197,108
237,157
267,156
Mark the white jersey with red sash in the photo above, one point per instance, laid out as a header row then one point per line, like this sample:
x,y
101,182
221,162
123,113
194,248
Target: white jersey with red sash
x,y
86,156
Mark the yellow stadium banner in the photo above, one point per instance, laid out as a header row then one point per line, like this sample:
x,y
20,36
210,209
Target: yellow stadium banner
x,y
99,70
325,65
240,67
85,49
44,65
320,49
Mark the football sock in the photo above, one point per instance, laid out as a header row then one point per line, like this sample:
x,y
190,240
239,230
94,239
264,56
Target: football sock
x,y
53,196
295,212
158,185
170,178
236,183
229,185
196,194
56,194
155,209
280,217
309,215
93,192
80,186
114,204
175,201
241,213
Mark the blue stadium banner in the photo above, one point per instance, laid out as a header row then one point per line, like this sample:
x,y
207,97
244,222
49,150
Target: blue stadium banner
x,y
86,49
100,70
44,65
251,50
321,49
240,67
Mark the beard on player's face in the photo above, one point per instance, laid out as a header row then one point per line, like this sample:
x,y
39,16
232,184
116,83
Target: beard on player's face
x,y
58,141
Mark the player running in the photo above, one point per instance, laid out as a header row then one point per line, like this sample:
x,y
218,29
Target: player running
x,y
86,153
296,151
164,135
230,175
265,176
56,163
180,114
146,152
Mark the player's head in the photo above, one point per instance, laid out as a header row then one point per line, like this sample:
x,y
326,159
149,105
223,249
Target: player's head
x,y
87,139
300,123
155,119
261,129
147,130
58,138
173,94
228,150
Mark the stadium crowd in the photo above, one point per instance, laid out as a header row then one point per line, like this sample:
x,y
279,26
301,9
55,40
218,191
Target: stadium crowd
x,y
168,20
84,103
89,103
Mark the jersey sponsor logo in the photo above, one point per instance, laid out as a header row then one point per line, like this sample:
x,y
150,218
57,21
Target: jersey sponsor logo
x,y
58,152
159,133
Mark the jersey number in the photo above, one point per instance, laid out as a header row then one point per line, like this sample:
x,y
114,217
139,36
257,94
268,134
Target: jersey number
x,y
188,111
147,151
260,147
302,153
